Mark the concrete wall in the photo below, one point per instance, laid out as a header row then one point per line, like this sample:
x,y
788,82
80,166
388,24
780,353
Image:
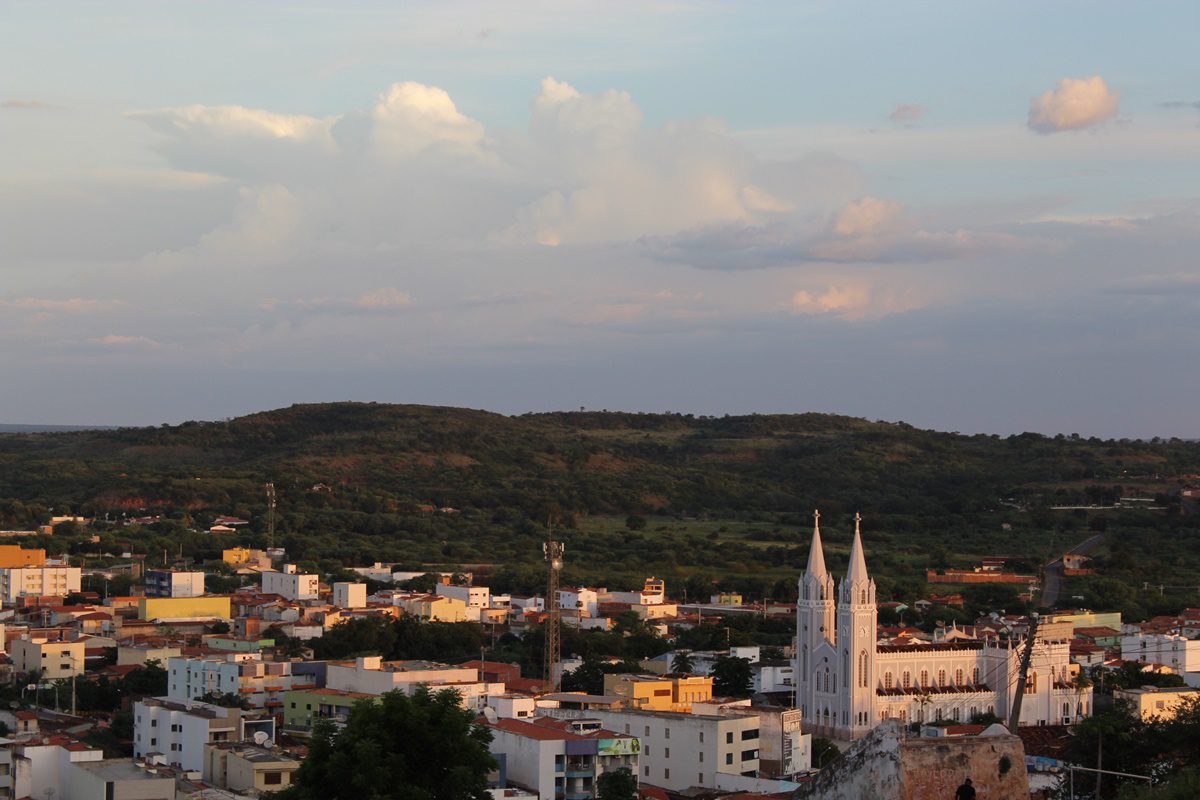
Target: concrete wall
x,y
886,765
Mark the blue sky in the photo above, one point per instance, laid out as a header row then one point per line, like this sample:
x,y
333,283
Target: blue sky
x,y
978,217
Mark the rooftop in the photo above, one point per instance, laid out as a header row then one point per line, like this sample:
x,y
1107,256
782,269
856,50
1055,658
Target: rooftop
x,y
120,769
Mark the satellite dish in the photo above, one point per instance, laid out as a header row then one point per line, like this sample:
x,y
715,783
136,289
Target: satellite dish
x,y
490,714
261,738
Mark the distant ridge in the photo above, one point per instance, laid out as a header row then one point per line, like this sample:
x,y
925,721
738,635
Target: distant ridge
x,y
5,428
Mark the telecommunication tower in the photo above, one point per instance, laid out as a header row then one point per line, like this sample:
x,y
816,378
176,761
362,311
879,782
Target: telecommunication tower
x,y
553,552
270,514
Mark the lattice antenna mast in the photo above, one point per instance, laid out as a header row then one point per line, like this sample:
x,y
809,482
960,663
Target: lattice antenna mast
x,y
270,514
553,552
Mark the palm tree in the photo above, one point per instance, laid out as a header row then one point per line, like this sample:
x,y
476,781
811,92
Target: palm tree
x,y
682,662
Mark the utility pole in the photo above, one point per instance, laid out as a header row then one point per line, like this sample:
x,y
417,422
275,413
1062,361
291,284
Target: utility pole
x,y
270,515
1014,717
553,552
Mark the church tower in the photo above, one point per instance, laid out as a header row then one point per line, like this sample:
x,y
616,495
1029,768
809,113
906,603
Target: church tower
x,y
815,620
856,638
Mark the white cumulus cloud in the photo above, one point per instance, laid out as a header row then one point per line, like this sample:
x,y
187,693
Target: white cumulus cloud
x,y
1077,103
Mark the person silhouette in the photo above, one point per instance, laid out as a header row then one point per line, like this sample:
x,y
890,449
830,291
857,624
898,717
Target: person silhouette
x,y
966,791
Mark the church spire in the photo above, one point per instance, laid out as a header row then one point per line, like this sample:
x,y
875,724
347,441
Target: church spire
x,y
816,554
858,562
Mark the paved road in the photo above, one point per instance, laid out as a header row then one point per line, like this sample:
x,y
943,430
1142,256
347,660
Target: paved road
x,y
1052,583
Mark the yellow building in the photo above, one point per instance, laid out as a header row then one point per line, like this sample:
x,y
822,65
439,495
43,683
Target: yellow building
x,y
248,768
1149,702
12,556
434,608
55,659
183,607
245,557
660,693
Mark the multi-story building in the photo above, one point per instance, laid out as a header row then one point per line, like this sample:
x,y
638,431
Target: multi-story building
x,y
40,765
13,556
179,731
261,683
115,778
847,682
139,654
582,599
174,583
372,675
475,597
349,595
561,759
290,584
18,582
659,692
245,557
432,607
680,750
1177,652
55,659
303,707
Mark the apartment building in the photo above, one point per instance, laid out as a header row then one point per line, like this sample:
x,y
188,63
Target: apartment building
x,y
55,659
40,765
303,707
179,731
261,683
1149,702
290,584
18,582
1177,652
561,759
476,598
174,583
679,750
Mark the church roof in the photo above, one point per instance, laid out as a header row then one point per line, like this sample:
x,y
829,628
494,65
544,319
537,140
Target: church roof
x,y
816,554
858,562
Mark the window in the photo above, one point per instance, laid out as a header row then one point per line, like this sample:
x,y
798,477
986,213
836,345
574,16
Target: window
x,y
750,734
272,778
666,733
646,771
906,679
646,749
701,737
924,678
749,755
975,676
729,758
647,730
701,754
666,772
887,680
666,752
958,677
941,677
729,737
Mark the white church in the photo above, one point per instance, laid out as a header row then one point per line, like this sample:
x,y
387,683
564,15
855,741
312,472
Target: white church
x,y
846,682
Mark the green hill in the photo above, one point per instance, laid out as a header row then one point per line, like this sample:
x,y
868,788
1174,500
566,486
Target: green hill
x,y
728,496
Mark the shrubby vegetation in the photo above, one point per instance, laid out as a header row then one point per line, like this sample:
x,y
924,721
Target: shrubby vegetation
x,y
707,503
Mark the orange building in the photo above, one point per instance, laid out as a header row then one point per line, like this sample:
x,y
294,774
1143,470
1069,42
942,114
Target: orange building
x,y
13,557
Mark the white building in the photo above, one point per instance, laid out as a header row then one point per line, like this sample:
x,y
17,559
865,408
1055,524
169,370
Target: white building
x,y
350,595
18,582
174,583
847,683
261,683
116,778
582,599
373,675
55,659
1177,652
476,597
681,750
40,766
179,731
291,585
561,758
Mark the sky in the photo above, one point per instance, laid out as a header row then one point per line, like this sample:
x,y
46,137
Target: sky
x,y
979,217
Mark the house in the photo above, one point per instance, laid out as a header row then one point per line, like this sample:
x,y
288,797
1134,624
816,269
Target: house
x,y
350,595
174,583
302,707
248,768
1150,702
55,659
659,692
290,584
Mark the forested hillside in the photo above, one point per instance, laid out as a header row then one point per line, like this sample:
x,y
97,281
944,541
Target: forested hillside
x,y
689,497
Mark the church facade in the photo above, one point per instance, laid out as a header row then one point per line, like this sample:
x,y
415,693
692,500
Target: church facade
x,y
847,682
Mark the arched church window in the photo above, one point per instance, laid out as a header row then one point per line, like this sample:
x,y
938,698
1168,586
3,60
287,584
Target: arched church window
x,y
958,677
975,676
941,677
887,680
864,597
924,678
862,669
906,679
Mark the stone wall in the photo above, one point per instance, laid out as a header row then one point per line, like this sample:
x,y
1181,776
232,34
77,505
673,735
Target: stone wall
x,y
888,765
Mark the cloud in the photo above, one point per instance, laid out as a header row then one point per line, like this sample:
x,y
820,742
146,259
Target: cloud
x,y
854,301
116,340
907,113
25,105
73,305
1076,104
869,216
383,299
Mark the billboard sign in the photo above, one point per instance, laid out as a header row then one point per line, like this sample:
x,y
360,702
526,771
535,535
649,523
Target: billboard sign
x,y
620,747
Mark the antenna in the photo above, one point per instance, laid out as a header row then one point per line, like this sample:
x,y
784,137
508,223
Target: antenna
x,y
553,552
270,515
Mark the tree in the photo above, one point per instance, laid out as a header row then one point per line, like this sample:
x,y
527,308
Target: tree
x,y
635,523
682,662
823,751
732,677
617,784
423,747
